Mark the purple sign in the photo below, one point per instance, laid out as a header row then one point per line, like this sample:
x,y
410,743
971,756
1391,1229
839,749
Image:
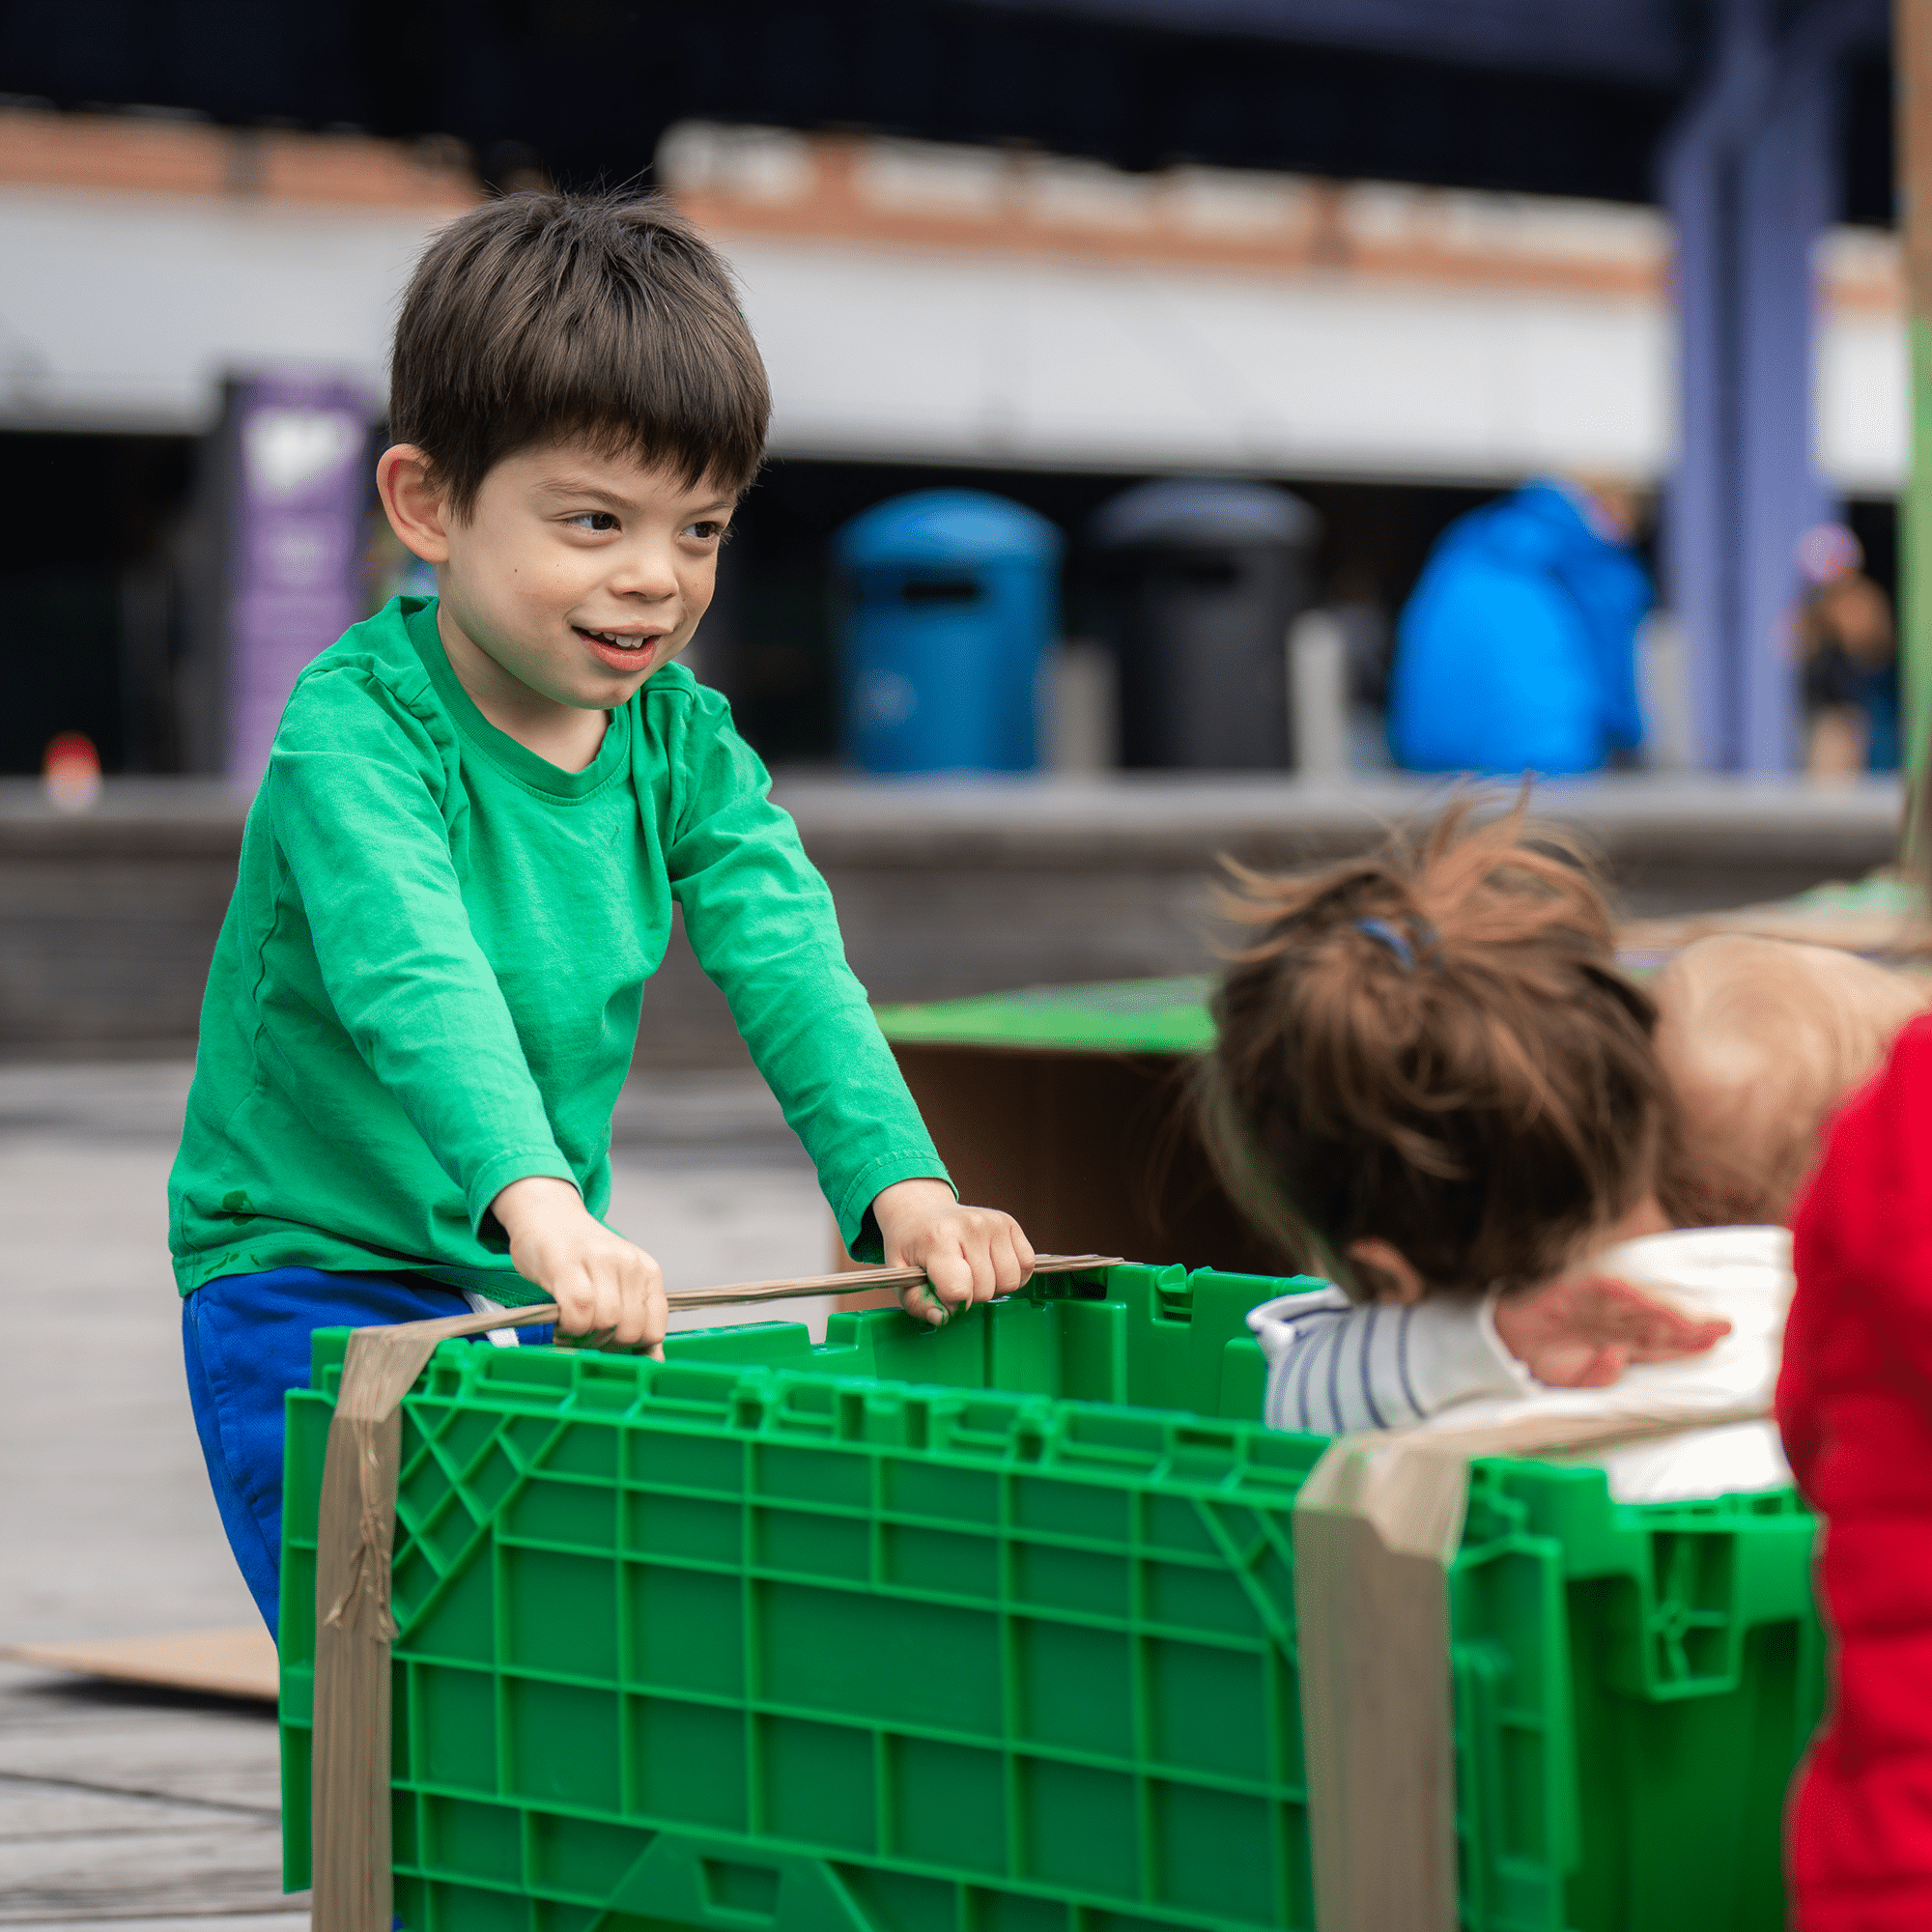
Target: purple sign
x,y
298,556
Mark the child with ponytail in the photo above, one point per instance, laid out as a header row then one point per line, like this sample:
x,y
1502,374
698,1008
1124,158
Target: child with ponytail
x,y
1431,1083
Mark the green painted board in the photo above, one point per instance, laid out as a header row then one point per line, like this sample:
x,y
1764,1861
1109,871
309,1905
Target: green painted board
x,y
1116,1017
1171,1016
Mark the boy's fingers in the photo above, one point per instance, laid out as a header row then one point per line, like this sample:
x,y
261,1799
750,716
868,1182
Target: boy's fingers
x,y
642,1296
986,1267
1023,1248
656,1318
918,1300
1011,1266
580,1305
950,1279
576,1308
923,1305
954,1281
611,1312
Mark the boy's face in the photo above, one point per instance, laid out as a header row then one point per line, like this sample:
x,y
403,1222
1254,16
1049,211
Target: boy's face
x,y
578,574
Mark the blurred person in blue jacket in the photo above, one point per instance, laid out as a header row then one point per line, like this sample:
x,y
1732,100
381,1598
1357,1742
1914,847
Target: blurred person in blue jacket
x,y
1516,650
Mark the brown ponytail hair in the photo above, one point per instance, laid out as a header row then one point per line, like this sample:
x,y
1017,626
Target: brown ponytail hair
x,y
1434,1047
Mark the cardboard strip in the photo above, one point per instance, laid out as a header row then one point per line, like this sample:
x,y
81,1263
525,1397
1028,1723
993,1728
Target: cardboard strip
x,y
356,1539
230,1663
1376,1525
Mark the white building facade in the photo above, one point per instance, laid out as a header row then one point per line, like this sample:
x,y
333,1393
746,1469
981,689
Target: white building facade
x,y
949,305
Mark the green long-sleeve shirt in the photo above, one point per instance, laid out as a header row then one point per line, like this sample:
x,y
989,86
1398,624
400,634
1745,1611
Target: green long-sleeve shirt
x,y
430,978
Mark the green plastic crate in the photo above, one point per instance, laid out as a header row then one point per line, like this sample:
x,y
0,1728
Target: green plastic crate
x,y
991,1628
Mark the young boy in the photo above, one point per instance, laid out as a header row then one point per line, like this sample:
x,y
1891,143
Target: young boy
x,y
459,872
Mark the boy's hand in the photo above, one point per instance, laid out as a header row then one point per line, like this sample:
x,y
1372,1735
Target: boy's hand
x,y
969,1254
606,1289
1584,1330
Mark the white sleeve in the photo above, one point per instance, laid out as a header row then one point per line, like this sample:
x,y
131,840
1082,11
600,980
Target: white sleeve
x,y
1336,1366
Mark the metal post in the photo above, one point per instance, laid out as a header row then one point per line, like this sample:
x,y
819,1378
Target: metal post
x,y
1750,180
1738,352
1790,196
1912,65
1699,533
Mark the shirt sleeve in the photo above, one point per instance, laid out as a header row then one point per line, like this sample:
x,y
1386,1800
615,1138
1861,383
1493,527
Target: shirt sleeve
x,y
1336,1366
353,787
762,922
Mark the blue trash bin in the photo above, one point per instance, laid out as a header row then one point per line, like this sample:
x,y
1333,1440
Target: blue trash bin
x,y
948,600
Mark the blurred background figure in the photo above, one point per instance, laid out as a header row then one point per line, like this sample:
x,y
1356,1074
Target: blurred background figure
x,y
1848,649
1517,650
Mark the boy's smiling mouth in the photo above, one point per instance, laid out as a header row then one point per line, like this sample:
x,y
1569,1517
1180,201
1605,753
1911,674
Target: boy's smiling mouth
x,y
619,648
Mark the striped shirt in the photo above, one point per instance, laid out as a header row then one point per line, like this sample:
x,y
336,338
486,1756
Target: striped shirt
x,y
1336,1366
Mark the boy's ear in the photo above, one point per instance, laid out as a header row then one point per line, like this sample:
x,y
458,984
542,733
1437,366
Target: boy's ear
x,y
413,502
1385,1271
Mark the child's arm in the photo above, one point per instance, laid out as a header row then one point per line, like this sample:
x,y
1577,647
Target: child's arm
x,y
1336,1366
762,922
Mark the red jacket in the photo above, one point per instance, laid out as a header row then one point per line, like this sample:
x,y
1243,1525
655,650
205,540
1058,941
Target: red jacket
x,y
1855,1404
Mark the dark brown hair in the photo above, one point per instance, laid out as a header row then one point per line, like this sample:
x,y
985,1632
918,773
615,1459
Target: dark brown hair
x,y
540,317
1434,1047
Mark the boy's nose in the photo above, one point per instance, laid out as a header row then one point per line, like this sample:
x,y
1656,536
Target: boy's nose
x,y
645,571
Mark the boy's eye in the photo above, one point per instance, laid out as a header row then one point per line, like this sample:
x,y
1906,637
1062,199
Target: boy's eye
x,y
705,532
594,520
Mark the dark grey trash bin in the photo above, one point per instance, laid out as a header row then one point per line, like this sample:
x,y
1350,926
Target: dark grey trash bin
x,y
1203,581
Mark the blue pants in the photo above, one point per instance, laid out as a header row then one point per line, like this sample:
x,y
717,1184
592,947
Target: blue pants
x,y
246,1340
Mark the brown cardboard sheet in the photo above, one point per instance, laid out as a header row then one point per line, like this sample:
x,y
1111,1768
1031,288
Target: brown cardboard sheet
x,y
239,1663
1084,1150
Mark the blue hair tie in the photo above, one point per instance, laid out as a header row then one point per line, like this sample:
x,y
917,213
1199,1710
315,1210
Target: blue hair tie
x,y
1397,942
